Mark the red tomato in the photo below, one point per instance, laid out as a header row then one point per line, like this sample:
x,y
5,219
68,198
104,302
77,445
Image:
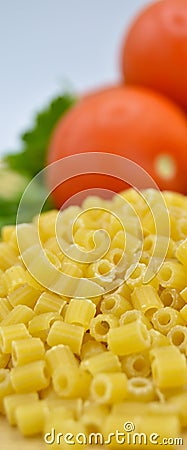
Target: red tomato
x,y
136,123
154,52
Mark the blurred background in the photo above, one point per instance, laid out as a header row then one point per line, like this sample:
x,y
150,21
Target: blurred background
x,y
47,46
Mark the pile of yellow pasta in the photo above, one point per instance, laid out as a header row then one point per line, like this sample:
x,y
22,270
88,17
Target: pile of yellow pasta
x,y
90,364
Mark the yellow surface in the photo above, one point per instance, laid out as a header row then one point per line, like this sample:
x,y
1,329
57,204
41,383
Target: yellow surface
x,y
10,439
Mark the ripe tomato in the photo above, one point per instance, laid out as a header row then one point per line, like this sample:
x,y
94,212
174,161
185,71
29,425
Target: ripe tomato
x,y
136,123
154,52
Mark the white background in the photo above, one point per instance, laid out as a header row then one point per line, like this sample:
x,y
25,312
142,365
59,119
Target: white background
x,y
46,45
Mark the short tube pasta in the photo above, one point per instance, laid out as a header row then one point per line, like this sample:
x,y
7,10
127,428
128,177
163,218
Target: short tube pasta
x,y
11,402
178,402
19,314
58,355
172,274
146,299
132,316
178,337
102,362
109,388
14,277
171,297
100,326
30,417
115,304
91,348
5,308
93,416
141,389
40,325
130,338
11,333
137,365
67,334
135,275
168,367
30,377
8,256
49,302
165,319
158,339
20,354
71,382
80,312
24,295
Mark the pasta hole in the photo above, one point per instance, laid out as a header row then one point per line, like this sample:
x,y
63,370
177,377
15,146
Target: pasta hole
x,y
139,383
104,267
139,364
166,273
117,257
167,298
178,338
136,274
148,244
164,319
102,327
109,304
100,388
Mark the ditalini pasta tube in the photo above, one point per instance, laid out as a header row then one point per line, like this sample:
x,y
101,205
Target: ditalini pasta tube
x,y
10,333
20,354
19,314
30,417
136,365
71,382
168,367
58,355
49,302
115,304
30,377
80,312
102,362
141,389
172,274
100,326
67,334
165,319
109,387
146,299
130,338
11,402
